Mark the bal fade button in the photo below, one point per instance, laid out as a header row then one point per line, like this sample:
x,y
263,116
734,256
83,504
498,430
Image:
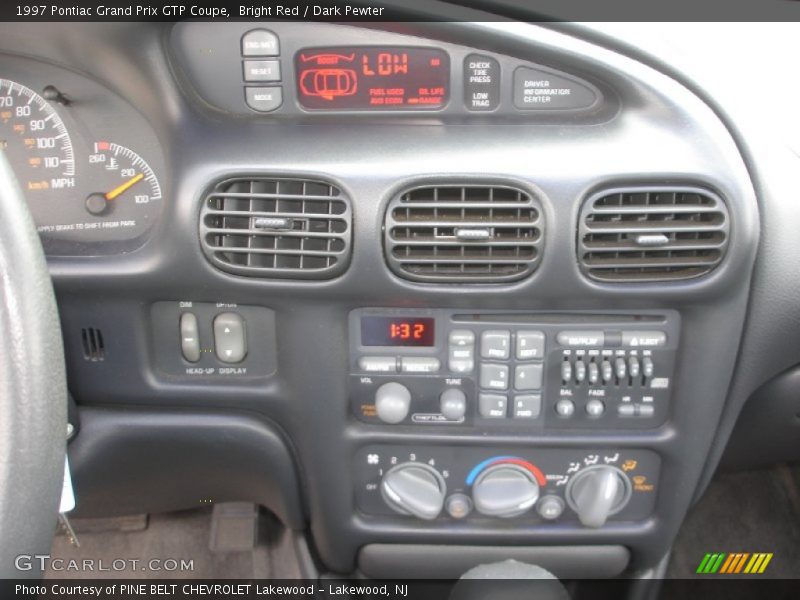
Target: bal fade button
x,y
535,89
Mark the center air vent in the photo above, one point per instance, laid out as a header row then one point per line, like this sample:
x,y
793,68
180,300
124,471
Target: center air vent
x,y
274,227
652,234
463,233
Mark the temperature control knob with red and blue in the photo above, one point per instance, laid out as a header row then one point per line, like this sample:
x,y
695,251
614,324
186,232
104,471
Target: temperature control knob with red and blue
x,y
505,486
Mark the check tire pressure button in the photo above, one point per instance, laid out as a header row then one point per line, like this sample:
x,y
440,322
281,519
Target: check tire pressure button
x,y
230,343
190,337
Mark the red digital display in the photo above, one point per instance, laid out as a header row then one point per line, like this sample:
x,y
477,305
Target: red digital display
x,y
372,78
400,331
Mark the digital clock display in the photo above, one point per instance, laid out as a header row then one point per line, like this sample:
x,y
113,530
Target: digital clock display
x,y
397,331
372,78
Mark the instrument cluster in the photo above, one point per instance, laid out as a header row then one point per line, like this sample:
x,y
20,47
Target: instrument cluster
x,y
88,163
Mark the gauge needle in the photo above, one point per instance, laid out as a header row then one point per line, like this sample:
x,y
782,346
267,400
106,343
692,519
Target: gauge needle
x,y
122,188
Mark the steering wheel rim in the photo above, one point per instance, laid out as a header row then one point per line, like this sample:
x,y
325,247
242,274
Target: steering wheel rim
x,y
33,390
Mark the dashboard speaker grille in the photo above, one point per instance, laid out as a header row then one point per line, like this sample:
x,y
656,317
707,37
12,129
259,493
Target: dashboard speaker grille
x,y
652,234
463,233
276,227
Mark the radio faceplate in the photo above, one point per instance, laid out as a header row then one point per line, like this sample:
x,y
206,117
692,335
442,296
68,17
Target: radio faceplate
x,y
520,370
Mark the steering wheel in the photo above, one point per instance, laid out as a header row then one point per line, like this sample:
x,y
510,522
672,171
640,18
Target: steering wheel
x,y
33,389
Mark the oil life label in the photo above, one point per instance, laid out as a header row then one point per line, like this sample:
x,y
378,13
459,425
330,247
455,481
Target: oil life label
x,y
481,82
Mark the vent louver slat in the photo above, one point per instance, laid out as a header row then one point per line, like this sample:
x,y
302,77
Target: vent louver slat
x,y
277,227
474,233
652,234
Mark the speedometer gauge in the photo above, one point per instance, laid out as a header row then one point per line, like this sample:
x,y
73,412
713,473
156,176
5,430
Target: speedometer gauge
x,y
35,140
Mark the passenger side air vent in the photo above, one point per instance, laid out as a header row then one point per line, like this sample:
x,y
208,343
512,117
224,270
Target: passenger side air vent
x,y
275,227
463,233
652,234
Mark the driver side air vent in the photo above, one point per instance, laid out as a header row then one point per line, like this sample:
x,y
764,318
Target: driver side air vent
x,y
276,227
652,234
463,233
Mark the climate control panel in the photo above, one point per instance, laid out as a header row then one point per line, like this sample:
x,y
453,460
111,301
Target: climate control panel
x,y
512,369
530,486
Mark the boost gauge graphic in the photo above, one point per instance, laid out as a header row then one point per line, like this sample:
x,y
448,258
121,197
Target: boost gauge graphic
x,y
126,187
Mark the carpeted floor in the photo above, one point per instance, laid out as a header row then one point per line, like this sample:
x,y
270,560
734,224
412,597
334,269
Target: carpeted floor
x,y
176,536
746,511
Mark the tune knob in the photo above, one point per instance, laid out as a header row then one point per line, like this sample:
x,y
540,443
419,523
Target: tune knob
x,y
597,493
414,489
392,402
505,491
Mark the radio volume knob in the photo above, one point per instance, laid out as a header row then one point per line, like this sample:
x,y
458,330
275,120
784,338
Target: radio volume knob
x,y
392,402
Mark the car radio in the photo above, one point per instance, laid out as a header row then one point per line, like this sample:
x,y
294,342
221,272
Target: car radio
x,y
542,370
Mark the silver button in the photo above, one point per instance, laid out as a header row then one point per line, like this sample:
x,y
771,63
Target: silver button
x,y
492,406
644,339
626,410
494,377
527,406
495,344
530,345
262,70
565,408
190,337
378,364
419,364
229,337
260,42
263,99
528,377
580,339
595,408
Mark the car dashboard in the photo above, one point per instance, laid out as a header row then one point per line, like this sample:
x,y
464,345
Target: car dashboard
x,y
421,289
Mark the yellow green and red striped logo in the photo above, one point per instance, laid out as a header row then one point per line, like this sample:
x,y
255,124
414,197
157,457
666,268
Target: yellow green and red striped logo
x,y
734,563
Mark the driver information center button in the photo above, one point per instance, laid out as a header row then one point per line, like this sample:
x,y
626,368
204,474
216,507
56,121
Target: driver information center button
x,y
230,344
540,90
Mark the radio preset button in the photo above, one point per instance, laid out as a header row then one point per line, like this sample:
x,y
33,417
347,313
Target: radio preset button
x,y
492,406
527,406
419,364
378,364
530,345
495,344
580,339
528,377
494,377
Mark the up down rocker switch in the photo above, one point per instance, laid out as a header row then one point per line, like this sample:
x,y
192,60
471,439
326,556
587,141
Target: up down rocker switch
x,y
230,343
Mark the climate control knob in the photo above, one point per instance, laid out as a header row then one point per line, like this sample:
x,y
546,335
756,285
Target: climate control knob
x,y
597,493
392,402
414,489
505,491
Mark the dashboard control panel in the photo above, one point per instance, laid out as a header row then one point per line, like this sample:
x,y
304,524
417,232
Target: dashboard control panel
x,y
520,370
531,487
295,69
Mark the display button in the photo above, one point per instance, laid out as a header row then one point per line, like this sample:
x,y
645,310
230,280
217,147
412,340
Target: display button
x,y
419,364
229,337
263,99
260,42
495,344
378,364
535,89
481,82
190,337
492,406
580,339
565,408
494,377
530,345
528,377
644,339
527,406
262,70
